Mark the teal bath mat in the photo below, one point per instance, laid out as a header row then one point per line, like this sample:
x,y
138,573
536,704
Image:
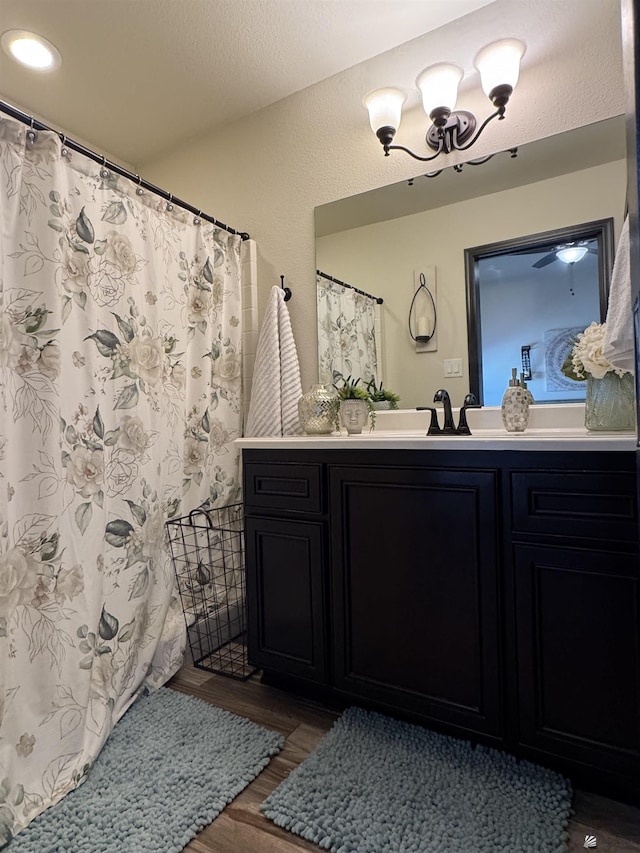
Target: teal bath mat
x,y
171,765
376,785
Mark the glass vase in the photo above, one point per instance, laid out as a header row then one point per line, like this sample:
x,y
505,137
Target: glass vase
x,y
318,410
610,402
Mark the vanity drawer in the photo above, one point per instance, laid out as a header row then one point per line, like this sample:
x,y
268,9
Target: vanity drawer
x,y
583,504
271,485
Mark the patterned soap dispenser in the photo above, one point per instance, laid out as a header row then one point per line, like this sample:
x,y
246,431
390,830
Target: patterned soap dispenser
x,y
529,394
515,405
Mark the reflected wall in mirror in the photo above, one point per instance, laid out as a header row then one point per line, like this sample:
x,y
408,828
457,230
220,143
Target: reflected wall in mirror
x,y
527,299
377,241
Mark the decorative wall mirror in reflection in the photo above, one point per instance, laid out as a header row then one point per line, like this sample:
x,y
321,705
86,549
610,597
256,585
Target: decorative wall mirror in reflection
x,y
377,241
527,299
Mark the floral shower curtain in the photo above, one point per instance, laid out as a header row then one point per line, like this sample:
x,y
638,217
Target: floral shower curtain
x,y
121,393
346,333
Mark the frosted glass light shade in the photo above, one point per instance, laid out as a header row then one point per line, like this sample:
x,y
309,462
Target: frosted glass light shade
x,y
499,63
571,254
385,108
31,50
439,86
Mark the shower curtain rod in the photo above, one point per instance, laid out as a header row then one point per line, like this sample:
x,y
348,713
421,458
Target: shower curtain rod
x,y
34,124
378,299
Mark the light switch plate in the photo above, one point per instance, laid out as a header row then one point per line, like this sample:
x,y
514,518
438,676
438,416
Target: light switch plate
x,y
452,367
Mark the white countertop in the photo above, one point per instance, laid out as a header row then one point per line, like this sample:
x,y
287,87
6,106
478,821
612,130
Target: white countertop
x,y
551,427
489,439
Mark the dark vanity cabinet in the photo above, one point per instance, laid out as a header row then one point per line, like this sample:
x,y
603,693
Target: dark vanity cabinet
x,y
285,543
492,595
574,564
414,591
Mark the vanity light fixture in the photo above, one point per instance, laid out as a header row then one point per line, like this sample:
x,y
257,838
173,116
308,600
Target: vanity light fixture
x,y
451,130
31,50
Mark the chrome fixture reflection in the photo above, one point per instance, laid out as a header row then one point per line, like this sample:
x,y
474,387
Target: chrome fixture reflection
x,y
451,130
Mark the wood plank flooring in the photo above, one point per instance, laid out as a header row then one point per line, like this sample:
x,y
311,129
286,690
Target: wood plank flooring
x,y
241,828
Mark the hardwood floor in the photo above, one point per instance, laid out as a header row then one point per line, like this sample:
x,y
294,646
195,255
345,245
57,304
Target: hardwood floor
x,y
241,828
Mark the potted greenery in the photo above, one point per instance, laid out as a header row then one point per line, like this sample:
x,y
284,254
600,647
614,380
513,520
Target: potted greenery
x,y
355,405
381,398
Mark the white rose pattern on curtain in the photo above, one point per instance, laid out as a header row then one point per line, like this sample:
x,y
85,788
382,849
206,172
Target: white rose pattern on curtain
x,y
346,333
121,380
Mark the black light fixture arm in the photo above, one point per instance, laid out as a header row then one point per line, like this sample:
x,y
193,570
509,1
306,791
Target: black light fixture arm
x,y
441,148
447,138
499,114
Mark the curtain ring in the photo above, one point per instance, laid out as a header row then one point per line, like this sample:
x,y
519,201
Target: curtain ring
x,y
139,190
104,172
196,219
32,134
63,150
170,202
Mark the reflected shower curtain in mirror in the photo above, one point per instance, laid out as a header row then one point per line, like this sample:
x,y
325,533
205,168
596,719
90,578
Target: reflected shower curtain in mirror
x,y
121,390
346,333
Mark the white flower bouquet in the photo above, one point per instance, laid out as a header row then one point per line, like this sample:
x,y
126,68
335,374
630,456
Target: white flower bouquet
x,y
587,356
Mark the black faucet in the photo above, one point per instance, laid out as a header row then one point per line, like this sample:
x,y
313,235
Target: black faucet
x,y
442,396
448,428
469,402
434,426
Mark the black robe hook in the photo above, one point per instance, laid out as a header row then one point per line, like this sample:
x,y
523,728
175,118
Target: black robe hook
x,y
287,290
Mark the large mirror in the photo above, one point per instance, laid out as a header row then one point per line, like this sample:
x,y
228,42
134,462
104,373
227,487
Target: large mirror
x,y
383,240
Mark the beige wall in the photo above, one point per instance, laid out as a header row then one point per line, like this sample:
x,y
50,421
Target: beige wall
x,y
382,259
266,173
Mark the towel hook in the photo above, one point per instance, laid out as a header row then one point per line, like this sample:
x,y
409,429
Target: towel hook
x,y
287,290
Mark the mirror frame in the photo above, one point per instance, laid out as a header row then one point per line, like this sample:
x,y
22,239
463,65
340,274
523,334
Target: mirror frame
x,y
600,230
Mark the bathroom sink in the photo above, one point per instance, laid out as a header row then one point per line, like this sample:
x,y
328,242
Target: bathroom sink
x,y
551,416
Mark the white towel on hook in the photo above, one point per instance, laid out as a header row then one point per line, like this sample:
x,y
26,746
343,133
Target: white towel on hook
x,y
618,339
276,386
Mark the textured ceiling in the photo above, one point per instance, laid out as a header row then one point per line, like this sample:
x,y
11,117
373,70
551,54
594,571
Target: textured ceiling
x,y
140,77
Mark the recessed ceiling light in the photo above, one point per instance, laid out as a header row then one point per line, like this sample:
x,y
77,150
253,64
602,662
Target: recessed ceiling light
x,y
31,50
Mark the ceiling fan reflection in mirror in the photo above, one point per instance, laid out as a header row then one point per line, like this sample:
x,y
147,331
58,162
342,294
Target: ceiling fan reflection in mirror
x,y
568,253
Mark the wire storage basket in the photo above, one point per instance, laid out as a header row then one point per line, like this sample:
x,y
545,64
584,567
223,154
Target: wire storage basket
x,y
207,548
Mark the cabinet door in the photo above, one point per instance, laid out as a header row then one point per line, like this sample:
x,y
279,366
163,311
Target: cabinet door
x,y
285,596
415,592
578,653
